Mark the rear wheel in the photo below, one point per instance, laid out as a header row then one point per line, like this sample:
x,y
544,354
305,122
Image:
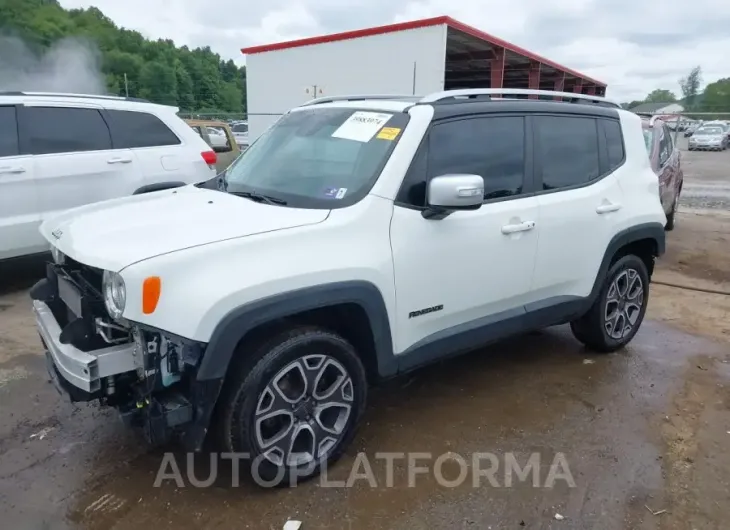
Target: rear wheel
x,y
671,218
296,409
618,311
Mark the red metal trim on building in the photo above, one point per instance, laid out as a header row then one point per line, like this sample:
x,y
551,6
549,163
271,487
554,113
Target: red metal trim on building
x,y
416,24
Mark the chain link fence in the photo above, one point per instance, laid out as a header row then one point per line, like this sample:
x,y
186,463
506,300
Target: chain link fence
x,y
216,116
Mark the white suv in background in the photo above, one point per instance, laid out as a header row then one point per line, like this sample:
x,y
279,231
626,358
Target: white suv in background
x,y
358,238
59,151
240,133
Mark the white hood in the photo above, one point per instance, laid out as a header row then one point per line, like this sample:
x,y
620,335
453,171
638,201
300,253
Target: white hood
x,y
113,234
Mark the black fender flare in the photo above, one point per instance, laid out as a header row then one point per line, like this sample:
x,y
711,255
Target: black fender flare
x,y
237,323
159,186
240,321
653,231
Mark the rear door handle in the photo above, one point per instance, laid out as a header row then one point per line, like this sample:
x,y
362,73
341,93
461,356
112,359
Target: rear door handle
x,y
519,227
12,170
119,160
608,208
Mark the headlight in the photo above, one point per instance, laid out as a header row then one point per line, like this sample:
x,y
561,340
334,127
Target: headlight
x,y
58,256
115,294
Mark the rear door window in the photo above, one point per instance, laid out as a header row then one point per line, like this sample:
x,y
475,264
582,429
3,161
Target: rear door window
x,y
567,148
139,129
8,132
65,130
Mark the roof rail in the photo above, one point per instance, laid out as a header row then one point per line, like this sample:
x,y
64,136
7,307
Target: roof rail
x,y
70,95
474,93
361,97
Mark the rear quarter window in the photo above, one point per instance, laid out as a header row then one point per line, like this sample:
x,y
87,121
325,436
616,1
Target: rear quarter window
x,y
139,129
614,143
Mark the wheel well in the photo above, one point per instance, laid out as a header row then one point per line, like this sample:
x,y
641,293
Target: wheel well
x,y
645,249
349,320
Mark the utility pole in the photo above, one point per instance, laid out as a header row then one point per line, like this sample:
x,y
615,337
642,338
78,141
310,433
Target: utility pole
x,y
126,85
316,89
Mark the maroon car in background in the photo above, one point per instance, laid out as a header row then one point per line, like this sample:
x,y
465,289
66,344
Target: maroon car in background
x,y
666,162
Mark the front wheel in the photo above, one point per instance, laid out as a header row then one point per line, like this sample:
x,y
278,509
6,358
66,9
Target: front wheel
x,y
618,311
296,410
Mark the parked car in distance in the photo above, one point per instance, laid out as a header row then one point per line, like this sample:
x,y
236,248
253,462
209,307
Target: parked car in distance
x,y
690,130
240,131
60,151
219,136
712,136
666,161
356,240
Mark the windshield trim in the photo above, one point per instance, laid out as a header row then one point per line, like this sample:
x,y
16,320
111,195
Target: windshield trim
x,y
316,203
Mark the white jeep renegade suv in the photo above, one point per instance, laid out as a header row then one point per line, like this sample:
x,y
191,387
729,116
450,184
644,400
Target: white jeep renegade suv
x,y
357,239
59,151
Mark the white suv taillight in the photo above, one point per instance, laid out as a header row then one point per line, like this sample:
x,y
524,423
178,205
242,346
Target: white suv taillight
x,y
210,158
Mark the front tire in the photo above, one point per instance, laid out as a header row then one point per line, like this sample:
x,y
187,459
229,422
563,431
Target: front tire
x,y
618,311
295,406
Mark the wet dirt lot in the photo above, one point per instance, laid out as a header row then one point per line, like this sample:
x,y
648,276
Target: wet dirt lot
x,y
642,431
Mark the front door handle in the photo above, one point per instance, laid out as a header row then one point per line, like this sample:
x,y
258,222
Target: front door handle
x,y
518,227
119,160
12,170
608,208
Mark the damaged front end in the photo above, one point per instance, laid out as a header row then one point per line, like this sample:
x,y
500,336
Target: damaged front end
x,y
147,374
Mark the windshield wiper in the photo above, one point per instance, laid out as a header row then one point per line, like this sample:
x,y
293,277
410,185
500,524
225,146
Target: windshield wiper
x,y
259,198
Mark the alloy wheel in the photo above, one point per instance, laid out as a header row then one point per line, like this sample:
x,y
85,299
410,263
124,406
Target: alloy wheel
x,y
624,301
303,411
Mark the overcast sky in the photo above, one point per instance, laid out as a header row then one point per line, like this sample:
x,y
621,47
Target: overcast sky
x,y
632,45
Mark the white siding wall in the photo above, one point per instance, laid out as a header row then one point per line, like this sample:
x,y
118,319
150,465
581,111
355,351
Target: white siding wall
x,y
381,64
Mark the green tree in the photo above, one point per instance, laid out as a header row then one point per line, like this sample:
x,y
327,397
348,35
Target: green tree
x,y
158,83
690,87
717,96
155,69
185,89
660,96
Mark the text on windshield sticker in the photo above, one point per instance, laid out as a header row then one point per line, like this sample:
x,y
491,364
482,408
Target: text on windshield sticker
x,y
361,126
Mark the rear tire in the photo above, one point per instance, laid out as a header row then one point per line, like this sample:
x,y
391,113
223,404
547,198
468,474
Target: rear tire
x,y
293,405
671,218
618,311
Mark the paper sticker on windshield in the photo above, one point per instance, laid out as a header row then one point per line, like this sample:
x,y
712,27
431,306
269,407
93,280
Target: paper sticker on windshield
x,y
335,193
388,133
361,126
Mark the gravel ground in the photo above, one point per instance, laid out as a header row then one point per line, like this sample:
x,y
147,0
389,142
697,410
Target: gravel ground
x,y
706,178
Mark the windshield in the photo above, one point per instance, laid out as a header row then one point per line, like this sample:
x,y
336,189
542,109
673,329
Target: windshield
x,y
240,128
318,157
709,131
